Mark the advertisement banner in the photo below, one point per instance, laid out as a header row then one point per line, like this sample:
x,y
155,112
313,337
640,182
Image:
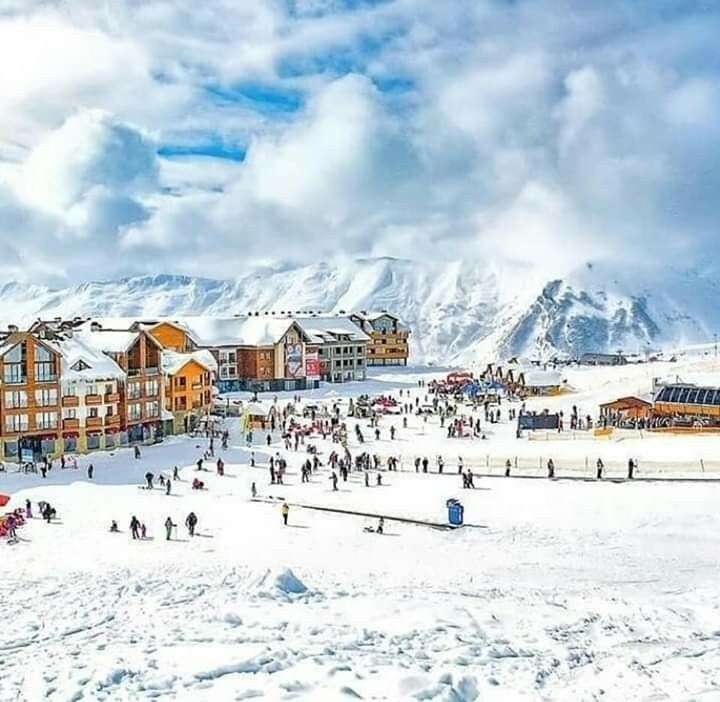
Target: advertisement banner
x,y
294,366
312,365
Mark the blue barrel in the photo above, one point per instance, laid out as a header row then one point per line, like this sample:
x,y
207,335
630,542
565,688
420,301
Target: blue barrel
x,y
455,512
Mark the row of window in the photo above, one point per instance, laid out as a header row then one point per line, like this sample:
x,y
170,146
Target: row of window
x,y
92,412
152,409
15,423
181,381
134,391
71,390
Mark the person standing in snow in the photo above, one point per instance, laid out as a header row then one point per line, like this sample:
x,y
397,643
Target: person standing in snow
x,y
168,528
90,471
631,468
508,465
191,522
285,512
167,487
600,467
149,479
220,467
135,527
28,509
143,530
253,491
176,475
551,468
460,465
334,479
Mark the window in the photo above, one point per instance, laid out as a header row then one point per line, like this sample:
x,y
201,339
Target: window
x,y
15,369
46,397
134,411
180,403
133,391
152,409
15,398
70,391
16,422
44,365
92,412
91,390
180,383
46,420
109,412
151,388
70,414
109,389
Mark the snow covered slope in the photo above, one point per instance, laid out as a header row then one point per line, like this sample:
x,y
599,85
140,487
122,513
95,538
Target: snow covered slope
x,y
462,311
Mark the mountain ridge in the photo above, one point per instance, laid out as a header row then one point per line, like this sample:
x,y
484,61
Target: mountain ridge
x,y
459,311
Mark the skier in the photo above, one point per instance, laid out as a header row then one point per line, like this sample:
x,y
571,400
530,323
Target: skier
x,y
168,528
600,467
135,527
90,471
285,512
190,522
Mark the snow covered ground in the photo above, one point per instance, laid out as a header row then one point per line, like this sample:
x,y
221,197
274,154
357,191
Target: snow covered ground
x,y
560,590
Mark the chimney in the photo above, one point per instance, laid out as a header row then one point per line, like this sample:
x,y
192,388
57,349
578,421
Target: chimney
x,y
13,328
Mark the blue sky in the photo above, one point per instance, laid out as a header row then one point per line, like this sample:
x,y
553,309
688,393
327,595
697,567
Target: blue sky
x,y
537,132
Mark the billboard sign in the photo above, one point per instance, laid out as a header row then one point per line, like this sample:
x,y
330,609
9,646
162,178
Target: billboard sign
x,y
294,366
312,365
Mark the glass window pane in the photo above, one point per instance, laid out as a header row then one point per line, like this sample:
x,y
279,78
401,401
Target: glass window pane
x,y
691,396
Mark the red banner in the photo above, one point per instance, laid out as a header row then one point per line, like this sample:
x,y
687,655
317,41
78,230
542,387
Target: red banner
x,y
312,365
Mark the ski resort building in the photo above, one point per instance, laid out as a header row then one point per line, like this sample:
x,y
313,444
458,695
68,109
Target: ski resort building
x,y
388,344
30,409
686,405
189,389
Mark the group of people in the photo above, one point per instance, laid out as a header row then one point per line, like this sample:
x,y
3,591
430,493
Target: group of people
x,y
139,532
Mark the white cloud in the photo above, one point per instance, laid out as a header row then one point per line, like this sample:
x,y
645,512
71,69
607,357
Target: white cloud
x,y
523,131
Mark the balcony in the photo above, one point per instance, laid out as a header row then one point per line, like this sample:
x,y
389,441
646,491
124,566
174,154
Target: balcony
x,y
70,401
112,421
94,422
152,370
71,424
197,386
93,399
112,398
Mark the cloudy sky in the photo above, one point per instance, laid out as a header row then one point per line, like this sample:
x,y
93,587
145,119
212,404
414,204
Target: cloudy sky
x,y
212,137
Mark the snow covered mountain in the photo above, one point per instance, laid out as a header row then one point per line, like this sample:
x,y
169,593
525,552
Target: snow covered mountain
x,y
459,311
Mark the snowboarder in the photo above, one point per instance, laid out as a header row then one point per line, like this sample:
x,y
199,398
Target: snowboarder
x,y
168,528
90,471
135,527
191,522
285,512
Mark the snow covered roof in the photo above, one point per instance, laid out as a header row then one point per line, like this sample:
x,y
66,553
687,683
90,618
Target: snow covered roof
x,y
326,329
537,378
255,409
82,362
172,362
109,340
236,331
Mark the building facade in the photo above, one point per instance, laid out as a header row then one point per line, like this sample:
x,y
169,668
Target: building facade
x,y
188,388
30,408
389,338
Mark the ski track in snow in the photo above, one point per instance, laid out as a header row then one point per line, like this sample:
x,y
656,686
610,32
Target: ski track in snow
x,y
576,591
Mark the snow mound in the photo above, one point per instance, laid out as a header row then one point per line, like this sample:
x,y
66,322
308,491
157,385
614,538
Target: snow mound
x,y
279,584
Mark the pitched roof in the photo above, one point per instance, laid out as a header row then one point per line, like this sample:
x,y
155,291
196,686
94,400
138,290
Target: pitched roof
x,y
98,366
173,362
